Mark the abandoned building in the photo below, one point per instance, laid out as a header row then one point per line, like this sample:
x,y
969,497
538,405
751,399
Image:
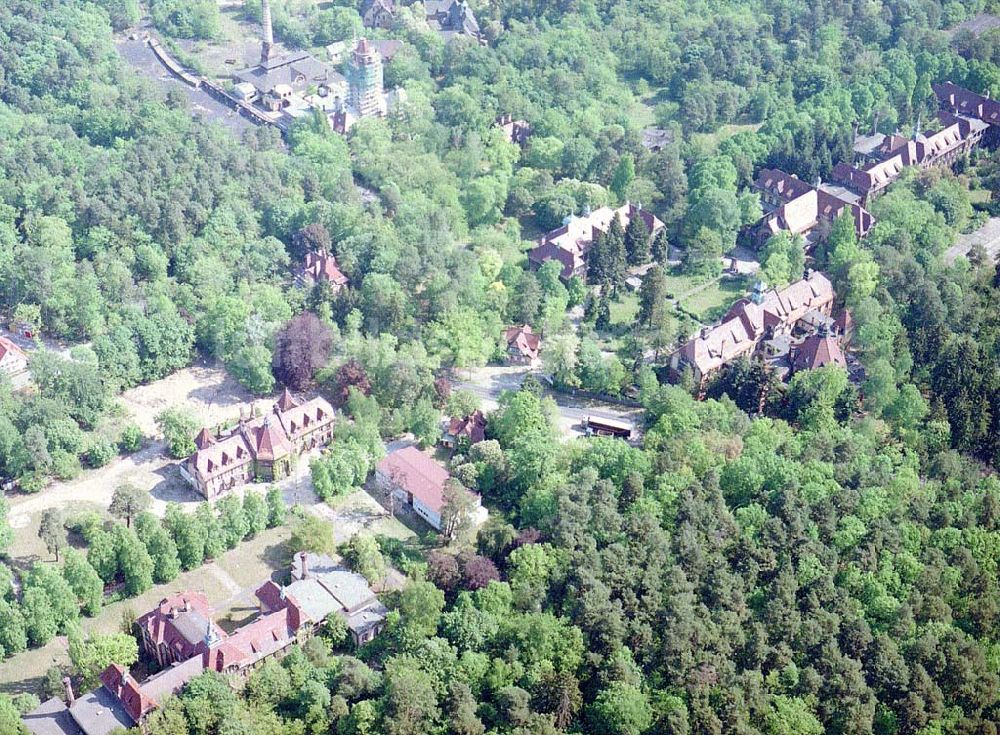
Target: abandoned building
x,y
571,243
260,447
768,319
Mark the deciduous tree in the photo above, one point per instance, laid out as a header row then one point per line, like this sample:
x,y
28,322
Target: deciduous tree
x,y
302,347
52,531
128,501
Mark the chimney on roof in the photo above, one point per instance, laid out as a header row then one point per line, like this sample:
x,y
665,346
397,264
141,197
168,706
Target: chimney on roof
x,y
267,43
124,679
187,605
173,613
304,560
68,687
875,124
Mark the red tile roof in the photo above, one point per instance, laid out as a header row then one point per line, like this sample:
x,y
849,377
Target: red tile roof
x,y
204,439
780,184
418,474
472,427
323,266
262,637
818,350
8,347
268,440
286,401
524,340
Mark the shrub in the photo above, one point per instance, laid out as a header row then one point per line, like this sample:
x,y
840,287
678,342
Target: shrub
x,y
130,440
100,453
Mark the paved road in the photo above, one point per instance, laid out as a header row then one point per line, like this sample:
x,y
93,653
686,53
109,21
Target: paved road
x,y
488,383
988,236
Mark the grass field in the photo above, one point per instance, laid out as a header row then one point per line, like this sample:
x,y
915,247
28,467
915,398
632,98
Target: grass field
x,y
712,302
979,196
679,283
228,582
624,311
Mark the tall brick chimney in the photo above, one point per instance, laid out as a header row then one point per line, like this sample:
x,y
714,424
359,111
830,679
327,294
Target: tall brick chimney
x,y
68,686
304,559
267,43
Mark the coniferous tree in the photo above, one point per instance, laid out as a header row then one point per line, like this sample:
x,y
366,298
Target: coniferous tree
x,y
637,240
597,260
652,296
616,264
603,318
661,247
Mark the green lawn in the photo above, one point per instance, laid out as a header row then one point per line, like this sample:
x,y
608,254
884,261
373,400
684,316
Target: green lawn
x,y
679,283
713,301
979,196
625,309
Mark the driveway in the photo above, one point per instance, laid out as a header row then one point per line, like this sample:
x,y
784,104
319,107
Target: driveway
x,y
487,383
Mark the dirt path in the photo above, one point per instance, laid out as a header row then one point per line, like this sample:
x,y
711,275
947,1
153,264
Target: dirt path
x,y
149,467
206,391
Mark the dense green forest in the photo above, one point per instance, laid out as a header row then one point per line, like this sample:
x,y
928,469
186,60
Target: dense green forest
x,y
829,568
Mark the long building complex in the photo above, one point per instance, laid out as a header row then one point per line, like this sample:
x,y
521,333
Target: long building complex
x,y
767,316
180,635
967,120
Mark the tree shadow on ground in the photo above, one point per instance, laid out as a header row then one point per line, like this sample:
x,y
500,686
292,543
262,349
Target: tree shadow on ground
x,y
172,488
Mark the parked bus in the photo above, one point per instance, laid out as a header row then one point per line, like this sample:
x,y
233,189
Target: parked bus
x,y
596,426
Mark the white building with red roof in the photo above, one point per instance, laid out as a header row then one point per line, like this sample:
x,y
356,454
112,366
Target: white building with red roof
x,y
322,267
415,479
13,361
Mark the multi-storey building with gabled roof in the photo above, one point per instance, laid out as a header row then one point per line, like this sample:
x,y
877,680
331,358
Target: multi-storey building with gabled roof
x,y
258,447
